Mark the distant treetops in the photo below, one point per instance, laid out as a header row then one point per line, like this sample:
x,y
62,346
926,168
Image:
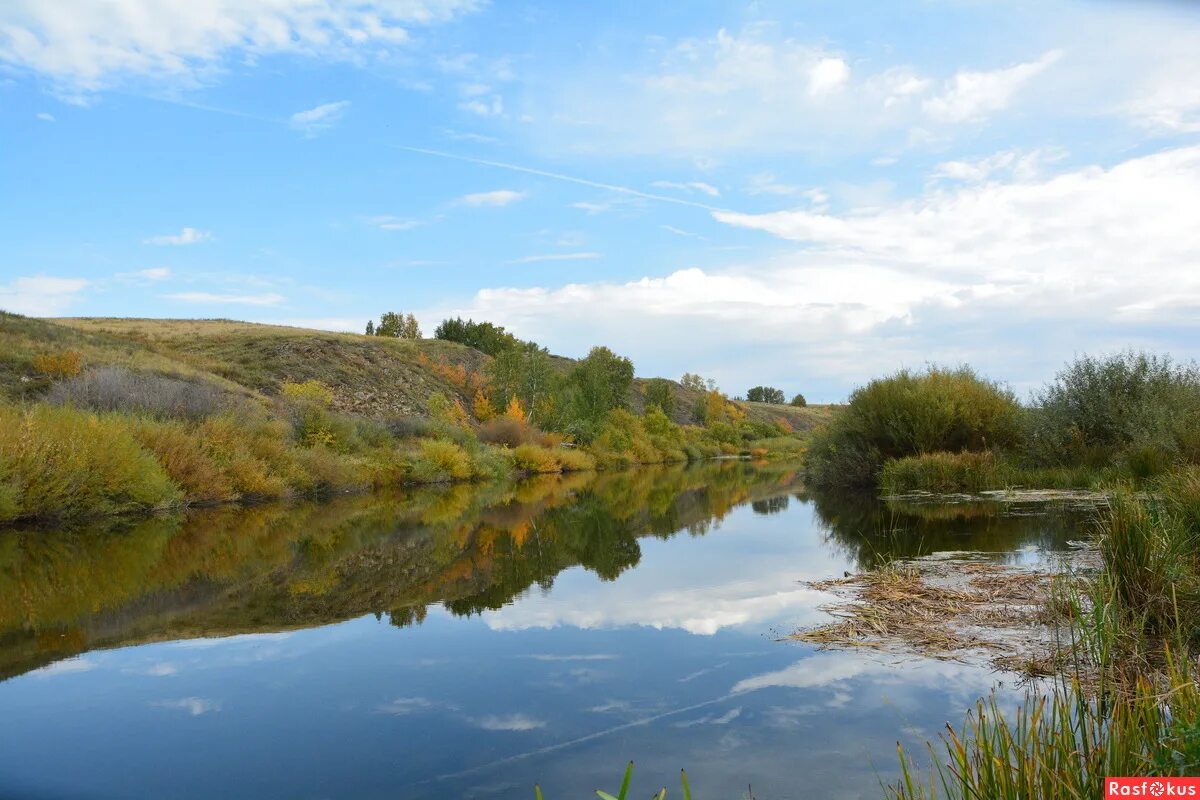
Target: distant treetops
x,y
395,325
576,401
769,394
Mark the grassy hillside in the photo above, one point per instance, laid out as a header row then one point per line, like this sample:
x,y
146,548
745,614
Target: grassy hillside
x,y
106,416
373,376
370,375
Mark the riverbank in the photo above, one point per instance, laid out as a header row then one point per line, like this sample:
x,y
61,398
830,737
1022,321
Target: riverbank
x,y
101,417
60,463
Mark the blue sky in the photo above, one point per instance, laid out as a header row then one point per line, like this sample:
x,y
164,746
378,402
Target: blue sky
x,y
800,194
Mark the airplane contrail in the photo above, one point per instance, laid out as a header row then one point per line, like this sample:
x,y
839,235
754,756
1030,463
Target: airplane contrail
x,y
558,176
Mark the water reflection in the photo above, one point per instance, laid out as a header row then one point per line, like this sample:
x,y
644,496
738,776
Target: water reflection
x,y
466,641
217,572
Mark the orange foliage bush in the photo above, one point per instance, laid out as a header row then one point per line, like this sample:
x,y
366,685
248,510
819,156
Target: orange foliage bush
x,y
66,364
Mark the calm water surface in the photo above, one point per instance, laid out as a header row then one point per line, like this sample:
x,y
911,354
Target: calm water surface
x,y
471,641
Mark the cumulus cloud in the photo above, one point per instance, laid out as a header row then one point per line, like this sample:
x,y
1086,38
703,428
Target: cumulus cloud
x,y
91,45
1013,275
184,237
319,118
499,197
40,295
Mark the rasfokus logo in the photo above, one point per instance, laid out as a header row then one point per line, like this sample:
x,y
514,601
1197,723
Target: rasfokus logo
x,y
1151,787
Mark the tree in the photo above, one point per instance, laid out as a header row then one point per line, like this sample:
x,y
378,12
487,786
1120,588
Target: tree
x,y
659,394
600,383
691,380
370,327
799,401
483,336
410,329
483,408
524,372
390,324
396,325
765,394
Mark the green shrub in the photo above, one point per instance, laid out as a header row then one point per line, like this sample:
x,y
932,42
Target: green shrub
x,y
61,462
575,460
910,414
534,459
310,392
1136,407
440,460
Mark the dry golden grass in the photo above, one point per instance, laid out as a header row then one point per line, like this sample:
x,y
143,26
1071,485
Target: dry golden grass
x,y
945,609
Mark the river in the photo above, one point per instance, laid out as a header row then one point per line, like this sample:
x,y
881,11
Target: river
x,y
469,641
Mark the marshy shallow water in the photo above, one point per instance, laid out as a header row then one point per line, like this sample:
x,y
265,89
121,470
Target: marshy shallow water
x,y
469,641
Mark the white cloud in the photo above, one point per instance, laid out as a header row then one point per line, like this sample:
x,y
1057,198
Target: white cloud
x,y
151,274
404,706
319,118
162,669
827,75
40,295
690,186
185,236
1014,164
499,197
44,117
971,96
194,706
484,106
67,665
89,45
1015,276
265,299
512,722
585,256
766,183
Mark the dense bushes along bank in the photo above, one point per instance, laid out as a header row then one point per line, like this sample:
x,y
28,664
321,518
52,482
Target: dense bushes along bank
x,y
1130,416
113,441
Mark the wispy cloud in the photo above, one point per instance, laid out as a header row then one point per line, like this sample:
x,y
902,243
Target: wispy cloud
x,y
573,657
689,186
40,295
265,299
320,118
404,706
67,665
184,237
195,706
151,274
497,198
89,47
389,223
971,96
558,176
512,722
587,256
44,117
